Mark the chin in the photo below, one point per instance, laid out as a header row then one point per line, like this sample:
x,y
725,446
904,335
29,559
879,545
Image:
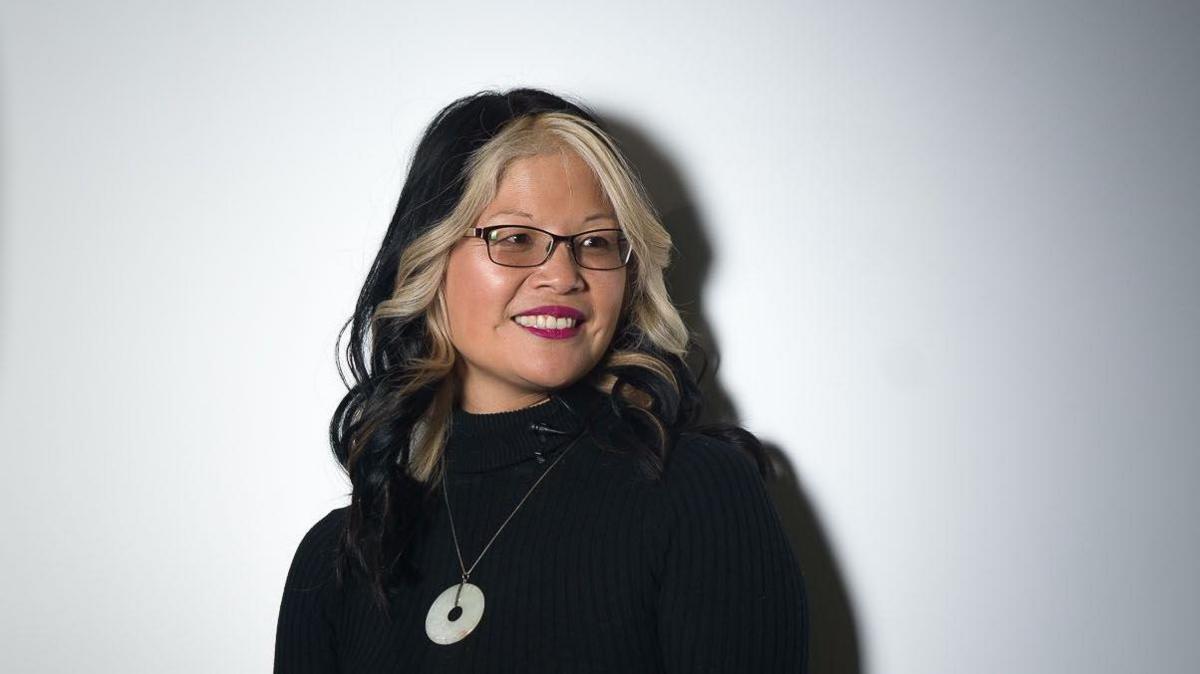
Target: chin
x,y
556,377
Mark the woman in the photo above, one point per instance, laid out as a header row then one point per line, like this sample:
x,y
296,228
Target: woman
x,y
530,492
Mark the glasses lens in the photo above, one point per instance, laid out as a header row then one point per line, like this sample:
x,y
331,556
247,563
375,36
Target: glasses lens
x,y
602,249
518,246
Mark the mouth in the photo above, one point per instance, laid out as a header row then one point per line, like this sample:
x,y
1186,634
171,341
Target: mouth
x,y
550,327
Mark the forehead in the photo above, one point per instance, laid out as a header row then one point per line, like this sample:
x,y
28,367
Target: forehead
x,y
548,186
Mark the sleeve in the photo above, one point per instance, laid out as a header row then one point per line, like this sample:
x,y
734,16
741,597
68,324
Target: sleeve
x,y
309,610
732,596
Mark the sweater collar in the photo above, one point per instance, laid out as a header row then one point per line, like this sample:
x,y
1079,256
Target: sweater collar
x,y
481,443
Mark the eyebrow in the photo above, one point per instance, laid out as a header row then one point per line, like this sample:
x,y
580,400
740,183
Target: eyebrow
x,y
523,214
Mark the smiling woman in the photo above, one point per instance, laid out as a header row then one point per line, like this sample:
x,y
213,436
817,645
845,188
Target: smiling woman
x,y
531,490
503,364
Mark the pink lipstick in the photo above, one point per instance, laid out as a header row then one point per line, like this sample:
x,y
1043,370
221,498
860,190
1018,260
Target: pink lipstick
x,y
555,311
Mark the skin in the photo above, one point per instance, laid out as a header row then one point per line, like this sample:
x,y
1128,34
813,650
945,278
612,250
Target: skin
x,y
503,366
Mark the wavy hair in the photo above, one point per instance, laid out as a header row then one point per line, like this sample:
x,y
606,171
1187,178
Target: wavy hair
x,y
391,427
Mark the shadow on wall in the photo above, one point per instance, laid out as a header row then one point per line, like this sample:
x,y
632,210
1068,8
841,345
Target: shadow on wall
x,y
4,148
833,636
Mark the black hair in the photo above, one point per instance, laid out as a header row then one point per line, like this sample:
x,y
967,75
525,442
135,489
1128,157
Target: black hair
x,y
372,428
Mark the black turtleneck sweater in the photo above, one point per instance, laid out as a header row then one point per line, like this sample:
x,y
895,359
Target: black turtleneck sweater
x,y
601,570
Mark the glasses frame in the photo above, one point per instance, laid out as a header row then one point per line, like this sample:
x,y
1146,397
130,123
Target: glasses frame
x,y
569,239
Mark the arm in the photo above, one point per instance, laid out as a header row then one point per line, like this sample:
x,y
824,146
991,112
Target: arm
x,y
304,633
732,596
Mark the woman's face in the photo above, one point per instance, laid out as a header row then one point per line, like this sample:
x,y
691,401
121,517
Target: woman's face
x,y
503,365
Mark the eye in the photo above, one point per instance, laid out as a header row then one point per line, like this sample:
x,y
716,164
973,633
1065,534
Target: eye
x,y
596,242
510,238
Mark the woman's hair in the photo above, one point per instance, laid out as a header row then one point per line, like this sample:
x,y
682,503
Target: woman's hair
x,y
390,429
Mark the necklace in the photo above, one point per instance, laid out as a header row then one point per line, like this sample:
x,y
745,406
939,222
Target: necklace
x,y
459,608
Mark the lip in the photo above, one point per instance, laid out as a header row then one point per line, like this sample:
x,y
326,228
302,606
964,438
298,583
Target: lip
x,y
557,311
552,333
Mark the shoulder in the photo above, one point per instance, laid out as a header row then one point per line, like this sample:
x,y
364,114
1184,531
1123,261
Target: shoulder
x,y
712,479
315,559
718,525
728,581
699,461
311,607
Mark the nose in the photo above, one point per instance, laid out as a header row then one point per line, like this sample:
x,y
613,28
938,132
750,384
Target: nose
x,y
560,267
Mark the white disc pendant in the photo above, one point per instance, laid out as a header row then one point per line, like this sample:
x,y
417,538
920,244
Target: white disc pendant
x,y
445,623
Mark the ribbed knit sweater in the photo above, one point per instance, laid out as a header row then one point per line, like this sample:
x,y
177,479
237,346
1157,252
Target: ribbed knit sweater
x,y
601,570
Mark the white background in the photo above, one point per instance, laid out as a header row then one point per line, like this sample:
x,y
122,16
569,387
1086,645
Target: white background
x,y
951,271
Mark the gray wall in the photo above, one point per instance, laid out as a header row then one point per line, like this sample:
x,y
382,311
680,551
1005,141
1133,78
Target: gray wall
x,y
947,253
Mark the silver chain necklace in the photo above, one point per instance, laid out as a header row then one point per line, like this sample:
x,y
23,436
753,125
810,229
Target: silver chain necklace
x,y
459,608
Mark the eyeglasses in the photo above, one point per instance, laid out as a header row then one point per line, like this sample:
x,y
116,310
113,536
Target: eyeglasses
x,y
520,246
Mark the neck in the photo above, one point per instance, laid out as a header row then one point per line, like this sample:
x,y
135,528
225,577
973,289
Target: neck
x,y
482,442
480,392
472,406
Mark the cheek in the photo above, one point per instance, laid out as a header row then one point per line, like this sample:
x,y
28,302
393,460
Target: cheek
x,y
609,294
476,296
